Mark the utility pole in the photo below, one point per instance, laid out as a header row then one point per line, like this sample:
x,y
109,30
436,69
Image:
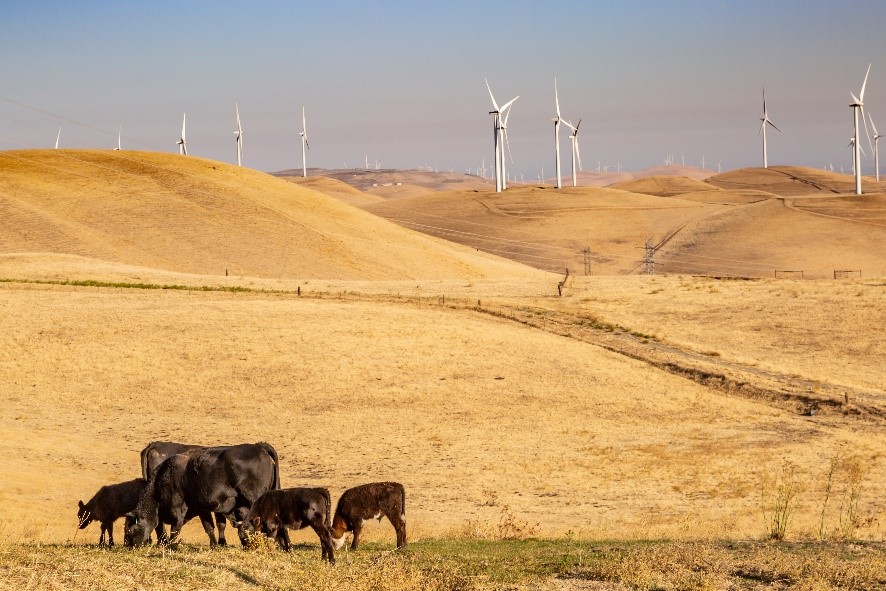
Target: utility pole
x,y
587,255
649,259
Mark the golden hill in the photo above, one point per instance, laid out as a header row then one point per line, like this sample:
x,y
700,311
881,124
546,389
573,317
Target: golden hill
x,y
735,231
664,186
199,216
792,181
549,228
334,188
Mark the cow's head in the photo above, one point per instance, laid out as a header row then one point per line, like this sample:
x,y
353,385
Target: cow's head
x,y
84,514
138,528
339,529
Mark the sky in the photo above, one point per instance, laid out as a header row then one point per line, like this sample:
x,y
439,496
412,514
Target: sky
x,y
402,83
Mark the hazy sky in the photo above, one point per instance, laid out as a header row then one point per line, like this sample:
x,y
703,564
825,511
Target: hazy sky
x,y
403,81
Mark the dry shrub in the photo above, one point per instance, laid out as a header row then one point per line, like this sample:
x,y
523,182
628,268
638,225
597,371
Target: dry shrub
x,y
508,527
697,567
784,488
260,543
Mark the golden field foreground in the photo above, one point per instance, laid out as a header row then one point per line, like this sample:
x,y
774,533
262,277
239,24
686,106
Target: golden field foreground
x,y
612,432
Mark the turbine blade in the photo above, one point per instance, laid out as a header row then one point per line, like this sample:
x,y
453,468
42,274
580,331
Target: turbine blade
x,y
866,132
556,98
239,129
578,153
494,104
863,84
508,144
773,125
855,99
567,124
874,127
577,126
507,105
304,126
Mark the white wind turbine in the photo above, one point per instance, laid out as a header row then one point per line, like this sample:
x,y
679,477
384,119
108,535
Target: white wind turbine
x,y
876,149
765,120
182,142
304,144
238,136
119,138
576,153
557,121
58,137
503,126
497,136
858,106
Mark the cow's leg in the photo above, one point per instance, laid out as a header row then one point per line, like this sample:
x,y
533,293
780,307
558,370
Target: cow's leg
x,y
240,514
400,527
220,524
101,539
209,528
160,530
328,553
358,527
110,534
283,538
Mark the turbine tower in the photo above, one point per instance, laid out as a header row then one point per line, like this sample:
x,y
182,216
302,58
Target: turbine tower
x,y
238,136
58,137
504,134
304,144
876,149
765,120
119,138
556,121
858,106
497,113
576,153
182,143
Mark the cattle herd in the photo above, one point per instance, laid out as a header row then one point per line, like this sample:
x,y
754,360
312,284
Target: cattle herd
x,y
240,483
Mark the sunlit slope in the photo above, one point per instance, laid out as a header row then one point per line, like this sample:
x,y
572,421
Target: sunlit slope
x,y
792,181
334,188
664,186
550,228
199,216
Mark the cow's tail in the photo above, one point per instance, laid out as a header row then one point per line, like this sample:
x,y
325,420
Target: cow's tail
x,y
269,449
328,507
403,499
144,455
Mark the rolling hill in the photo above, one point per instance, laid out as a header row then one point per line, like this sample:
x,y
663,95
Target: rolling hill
x,y
198,216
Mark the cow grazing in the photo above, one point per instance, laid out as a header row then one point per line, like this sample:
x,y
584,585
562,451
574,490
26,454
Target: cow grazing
x,y
152,456
197,483
294,508
369,501
109,504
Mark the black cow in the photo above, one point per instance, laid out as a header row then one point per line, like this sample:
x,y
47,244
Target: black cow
x,y
110,503
294,508
152,456
197,483
369,501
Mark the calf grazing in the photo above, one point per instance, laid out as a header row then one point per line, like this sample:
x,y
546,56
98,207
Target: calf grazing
x,y
109,504
369,501
294,508
197,483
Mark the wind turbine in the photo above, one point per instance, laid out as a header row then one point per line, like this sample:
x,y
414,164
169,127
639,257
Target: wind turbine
x,y
576,153
765,120
855,163
557,121
304,144
119,138
182,143
876,149
497,136
58,137
858,105
238,136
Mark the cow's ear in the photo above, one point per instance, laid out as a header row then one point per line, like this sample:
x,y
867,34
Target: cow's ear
x,y
131,517
80,503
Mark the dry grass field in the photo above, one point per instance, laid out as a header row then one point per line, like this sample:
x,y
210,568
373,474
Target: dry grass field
x,y
530,429
751,222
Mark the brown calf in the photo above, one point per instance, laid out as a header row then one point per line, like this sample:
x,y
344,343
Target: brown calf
x,y
369,501
294,508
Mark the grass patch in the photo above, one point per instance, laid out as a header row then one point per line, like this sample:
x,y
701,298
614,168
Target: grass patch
x,y
456,565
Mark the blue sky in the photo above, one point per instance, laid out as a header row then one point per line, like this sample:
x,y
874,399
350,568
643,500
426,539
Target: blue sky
x,y
403,82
